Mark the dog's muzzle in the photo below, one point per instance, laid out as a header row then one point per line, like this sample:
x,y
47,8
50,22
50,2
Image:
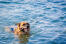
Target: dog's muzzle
x,y
22,29
25,28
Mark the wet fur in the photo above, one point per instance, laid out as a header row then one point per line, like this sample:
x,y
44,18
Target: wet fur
x,y
17,30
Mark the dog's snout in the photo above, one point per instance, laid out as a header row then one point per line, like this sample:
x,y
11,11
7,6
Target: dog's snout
x,y
27,26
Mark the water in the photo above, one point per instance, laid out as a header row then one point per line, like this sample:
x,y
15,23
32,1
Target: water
x,y
46,17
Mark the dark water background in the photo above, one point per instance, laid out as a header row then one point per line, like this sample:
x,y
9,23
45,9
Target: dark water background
x,y
46,17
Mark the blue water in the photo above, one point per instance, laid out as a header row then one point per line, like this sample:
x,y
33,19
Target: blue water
x,y
46,17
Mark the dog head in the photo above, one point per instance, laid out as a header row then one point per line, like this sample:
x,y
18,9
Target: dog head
x,y
24,26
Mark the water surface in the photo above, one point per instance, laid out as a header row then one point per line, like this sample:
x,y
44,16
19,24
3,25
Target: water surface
x,y
46,17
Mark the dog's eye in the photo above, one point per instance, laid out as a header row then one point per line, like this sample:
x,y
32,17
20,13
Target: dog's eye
x,y
23,24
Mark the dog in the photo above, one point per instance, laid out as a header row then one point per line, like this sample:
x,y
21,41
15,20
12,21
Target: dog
x,y
21,31
22,28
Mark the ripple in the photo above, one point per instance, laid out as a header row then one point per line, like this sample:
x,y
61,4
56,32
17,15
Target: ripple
x,y
8,2
63,4
63,9
55,1
54,21
61,18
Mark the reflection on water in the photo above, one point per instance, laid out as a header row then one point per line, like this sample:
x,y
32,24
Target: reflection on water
x,y
23,39
46,17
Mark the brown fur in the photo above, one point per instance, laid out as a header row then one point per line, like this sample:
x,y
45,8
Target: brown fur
x,y
18,31
23,36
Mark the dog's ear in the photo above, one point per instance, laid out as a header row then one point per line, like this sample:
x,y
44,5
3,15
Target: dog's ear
x,y
18,24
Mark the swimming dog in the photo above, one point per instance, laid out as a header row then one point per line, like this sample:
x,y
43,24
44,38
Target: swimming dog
x,y
22,28
21,31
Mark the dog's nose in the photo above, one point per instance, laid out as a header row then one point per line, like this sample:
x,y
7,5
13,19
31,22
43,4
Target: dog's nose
x,y
27,26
